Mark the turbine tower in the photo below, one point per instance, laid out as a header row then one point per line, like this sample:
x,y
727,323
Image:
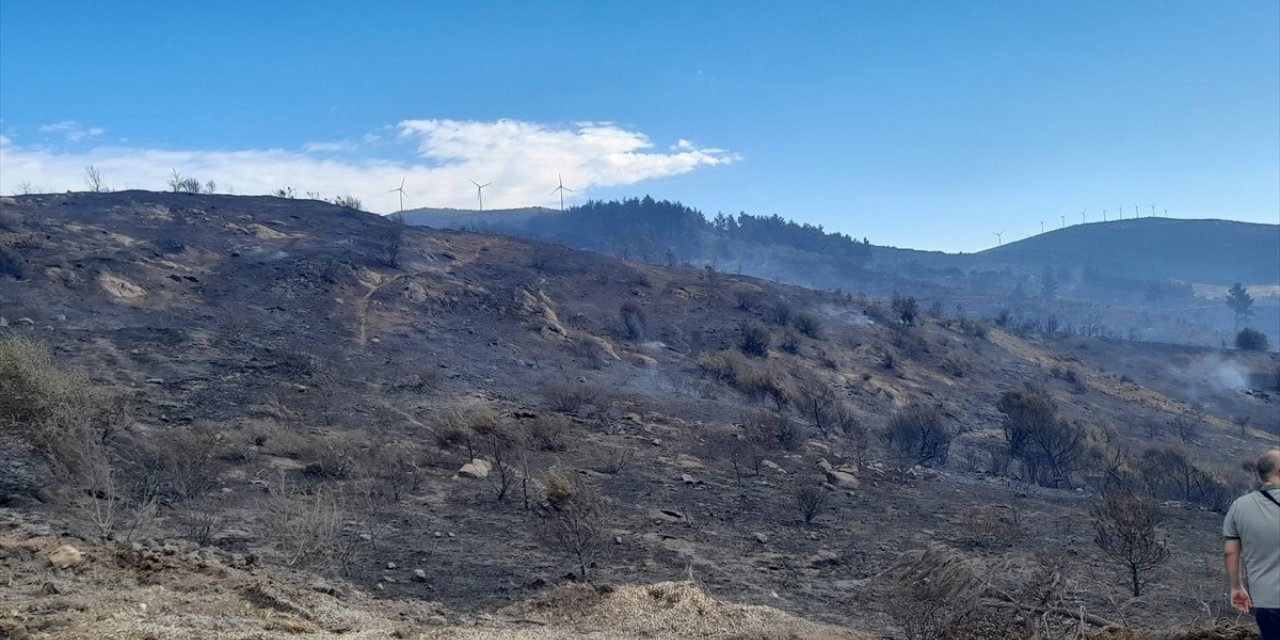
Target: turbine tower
x,y
1084,217
1104,215
998,235
1064,221
480,192
1042,226
561,189
400,190
1153,211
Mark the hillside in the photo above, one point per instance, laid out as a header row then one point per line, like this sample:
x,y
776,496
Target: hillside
x,y
1150,279
329,375
468,219
1216,252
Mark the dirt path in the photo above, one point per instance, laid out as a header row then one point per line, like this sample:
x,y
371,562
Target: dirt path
x,y
363,309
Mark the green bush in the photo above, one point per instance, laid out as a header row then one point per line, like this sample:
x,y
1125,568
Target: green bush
x,y
1251,340
59,413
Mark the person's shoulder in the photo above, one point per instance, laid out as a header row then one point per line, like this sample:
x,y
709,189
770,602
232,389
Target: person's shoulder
x,y
1243,499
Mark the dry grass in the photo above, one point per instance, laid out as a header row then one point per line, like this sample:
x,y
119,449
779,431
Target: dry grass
x,y
132,595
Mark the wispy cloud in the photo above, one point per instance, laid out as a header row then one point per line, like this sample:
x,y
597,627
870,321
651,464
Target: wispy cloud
x,y
71,130
521,159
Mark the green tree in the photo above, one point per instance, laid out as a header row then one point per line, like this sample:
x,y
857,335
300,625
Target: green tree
x,y
1241,303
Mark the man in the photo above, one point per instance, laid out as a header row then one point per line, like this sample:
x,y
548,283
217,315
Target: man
x,y
1252,530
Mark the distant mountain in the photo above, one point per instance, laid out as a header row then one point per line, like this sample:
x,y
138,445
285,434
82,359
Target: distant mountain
x,y
1216,252
1202,251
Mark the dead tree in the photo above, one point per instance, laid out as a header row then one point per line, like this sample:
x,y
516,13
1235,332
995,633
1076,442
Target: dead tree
x,y
1125,530
574,521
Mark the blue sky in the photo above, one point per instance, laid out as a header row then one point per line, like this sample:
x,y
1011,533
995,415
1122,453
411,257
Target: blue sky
x,y
929,125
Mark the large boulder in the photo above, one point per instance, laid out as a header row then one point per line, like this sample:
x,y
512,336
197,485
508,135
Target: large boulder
x,y
477,468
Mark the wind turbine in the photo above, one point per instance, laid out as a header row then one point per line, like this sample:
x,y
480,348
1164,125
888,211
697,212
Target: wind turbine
x,y
1153,211
1064,221
480,192
998,235
1104,215
400,190
561,189
1084,216
1166,213
1042,226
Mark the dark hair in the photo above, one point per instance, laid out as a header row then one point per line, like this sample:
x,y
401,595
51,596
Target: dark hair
x,y
1268,463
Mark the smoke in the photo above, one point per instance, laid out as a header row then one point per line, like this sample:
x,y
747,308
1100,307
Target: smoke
x,y
1213,373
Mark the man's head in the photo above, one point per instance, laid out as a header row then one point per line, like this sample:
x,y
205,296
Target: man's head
x,y
1269,466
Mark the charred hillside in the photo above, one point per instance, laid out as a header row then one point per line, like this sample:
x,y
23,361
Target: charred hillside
x,y
420,410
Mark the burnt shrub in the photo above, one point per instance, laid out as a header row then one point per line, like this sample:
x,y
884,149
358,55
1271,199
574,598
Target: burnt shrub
x,y
764,385
789,341
809,323
905,308
810,498
779,313
754,339
1049,447
12,264
571,398
917,435
746,299
771,431
634,321
549,432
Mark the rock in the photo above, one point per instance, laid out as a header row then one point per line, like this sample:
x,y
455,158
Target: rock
x,y
155,380
436,621
391,565
419,575
689,463
65,557
657,442
3,322
922,473
760,537
772,466
688,479
438,534
26,322
840,477
477,469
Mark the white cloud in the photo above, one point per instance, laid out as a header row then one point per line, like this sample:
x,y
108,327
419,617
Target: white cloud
x,y
338,146
71,130
521,159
